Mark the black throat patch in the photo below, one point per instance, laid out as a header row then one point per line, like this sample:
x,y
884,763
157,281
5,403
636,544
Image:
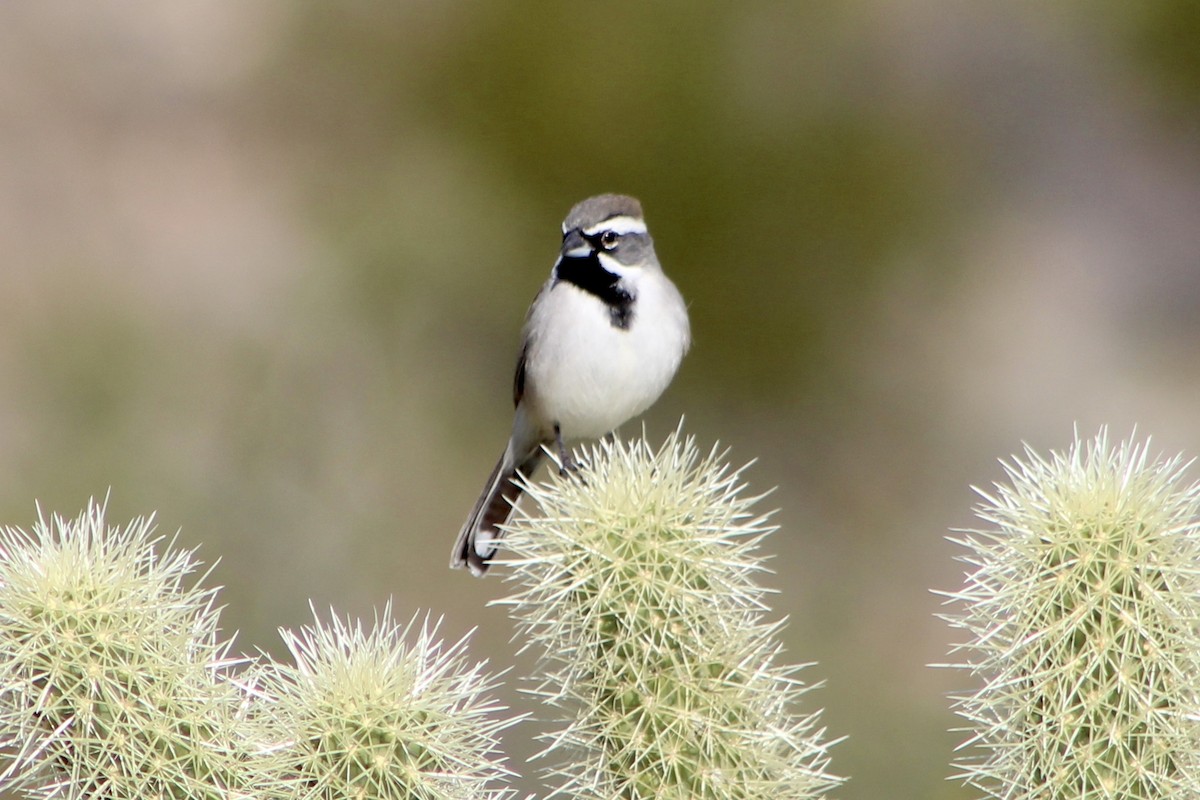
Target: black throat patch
x,y
590,275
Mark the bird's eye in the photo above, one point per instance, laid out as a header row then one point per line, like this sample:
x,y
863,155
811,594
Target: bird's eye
x,y
608,240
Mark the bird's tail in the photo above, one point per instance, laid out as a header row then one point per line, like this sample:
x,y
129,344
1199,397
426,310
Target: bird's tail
x,y
480,535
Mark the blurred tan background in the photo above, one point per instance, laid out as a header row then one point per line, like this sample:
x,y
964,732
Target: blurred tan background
x,y
264,267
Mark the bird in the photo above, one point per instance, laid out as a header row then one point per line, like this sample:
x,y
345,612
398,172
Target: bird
x,y
602,340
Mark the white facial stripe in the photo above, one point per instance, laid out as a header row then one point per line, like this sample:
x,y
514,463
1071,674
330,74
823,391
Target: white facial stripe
x,y
618,225
579,252
614,266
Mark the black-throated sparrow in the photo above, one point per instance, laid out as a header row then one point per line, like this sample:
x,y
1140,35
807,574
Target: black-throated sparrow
x,y
602,340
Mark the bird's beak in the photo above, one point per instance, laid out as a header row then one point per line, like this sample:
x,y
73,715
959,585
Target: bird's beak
x,y
574,245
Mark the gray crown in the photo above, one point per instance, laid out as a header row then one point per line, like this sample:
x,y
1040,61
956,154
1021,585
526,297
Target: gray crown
x,y
596,209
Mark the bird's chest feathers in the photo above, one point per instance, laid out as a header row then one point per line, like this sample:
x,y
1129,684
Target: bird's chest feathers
x,y
581,348
580,326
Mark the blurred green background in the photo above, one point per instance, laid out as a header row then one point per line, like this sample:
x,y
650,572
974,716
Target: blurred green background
x,y
264,266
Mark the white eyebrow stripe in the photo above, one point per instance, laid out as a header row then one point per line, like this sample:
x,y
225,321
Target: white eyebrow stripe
x,y
618,225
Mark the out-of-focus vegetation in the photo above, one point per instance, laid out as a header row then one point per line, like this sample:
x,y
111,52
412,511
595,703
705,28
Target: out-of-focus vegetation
x,y
264,268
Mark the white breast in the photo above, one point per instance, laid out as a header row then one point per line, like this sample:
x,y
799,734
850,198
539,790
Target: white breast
x,y
590,376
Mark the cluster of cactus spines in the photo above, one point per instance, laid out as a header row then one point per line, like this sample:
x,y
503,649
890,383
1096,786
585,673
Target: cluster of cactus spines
x,y
114,684
636,581
389,712
1083,609
108,666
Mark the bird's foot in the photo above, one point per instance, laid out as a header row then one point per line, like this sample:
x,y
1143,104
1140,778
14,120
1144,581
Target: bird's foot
x,y
567,463
571,467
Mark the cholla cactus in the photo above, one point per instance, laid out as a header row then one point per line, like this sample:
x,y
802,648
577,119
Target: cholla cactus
x,y
1082,607
385,713
108,667
114,685
636,579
